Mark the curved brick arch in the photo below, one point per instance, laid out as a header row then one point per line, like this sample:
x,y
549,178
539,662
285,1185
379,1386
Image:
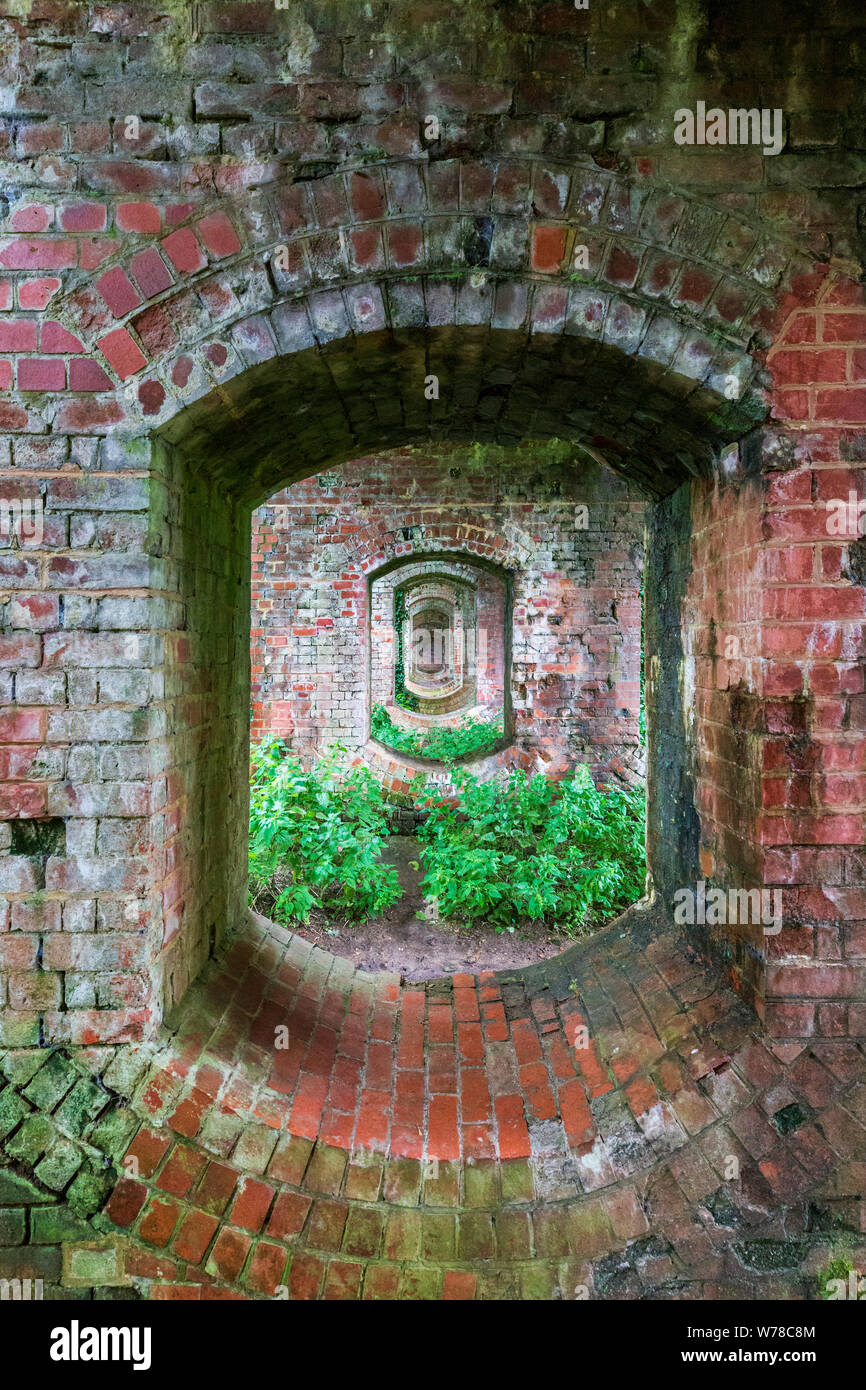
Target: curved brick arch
x,y
428,535
589,390
206,302
722,274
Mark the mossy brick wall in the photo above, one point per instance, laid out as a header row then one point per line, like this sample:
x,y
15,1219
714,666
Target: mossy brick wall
x,y
569,535
63,1132
163,371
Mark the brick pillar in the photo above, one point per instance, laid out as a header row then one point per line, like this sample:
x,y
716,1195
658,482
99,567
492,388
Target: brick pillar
x,y
83,750
813,767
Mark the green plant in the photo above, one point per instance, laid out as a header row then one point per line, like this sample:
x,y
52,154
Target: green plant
x,y
838,1269
402,697
446,745
316,837
564,852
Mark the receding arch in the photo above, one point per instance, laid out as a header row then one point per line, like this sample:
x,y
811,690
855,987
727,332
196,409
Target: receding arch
x,y
580,401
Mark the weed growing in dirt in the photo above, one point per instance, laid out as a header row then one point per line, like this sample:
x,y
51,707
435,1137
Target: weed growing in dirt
x,y
316,837
563,852
499,852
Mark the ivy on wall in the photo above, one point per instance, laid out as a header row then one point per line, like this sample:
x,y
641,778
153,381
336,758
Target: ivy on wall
x,y
402,697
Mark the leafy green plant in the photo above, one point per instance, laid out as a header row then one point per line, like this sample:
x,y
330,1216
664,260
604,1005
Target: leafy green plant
x,y
838,1269
563,852
316,837
470,736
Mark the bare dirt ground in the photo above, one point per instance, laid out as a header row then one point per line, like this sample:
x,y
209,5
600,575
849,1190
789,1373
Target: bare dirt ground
x,y
420,948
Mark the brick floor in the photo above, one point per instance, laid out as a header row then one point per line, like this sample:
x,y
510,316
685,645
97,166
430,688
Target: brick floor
x,y
582,1128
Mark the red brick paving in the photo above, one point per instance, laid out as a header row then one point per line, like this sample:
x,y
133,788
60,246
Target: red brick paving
x,y
525,1136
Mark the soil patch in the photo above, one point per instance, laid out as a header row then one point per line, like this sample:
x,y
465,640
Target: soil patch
x,y
418,947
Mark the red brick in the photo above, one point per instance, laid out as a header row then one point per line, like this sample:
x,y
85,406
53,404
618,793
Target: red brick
x,y
155,330
229,1253
150,272
844,403
41,138
38,254
405,244
84,217
513,1133
622,267
289,1214
218,235
807,366
138,217
251,1204
41,374
266,1270
35,217
366,248
22,725
343,1280
845,328
120,350
55,338
17,335
548,248
305,1277
180,1171
216,1187
35,294
183,251
126,1202
367,195
158,1222
87,375
148,1149
459,1286
118,292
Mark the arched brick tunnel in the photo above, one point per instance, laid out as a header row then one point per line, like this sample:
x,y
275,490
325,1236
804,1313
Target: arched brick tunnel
x,y
255,281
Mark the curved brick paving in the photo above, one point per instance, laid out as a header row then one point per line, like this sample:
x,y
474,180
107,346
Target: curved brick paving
x,y
456,1140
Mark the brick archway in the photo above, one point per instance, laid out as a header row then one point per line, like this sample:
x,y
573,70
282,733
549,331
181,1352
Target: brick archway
x,y
211,485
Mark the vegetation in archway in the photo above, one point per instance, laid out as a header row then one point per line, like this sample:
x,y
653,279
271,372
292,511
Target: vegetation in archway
x,y
316,837
565,852
403,697
500,852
